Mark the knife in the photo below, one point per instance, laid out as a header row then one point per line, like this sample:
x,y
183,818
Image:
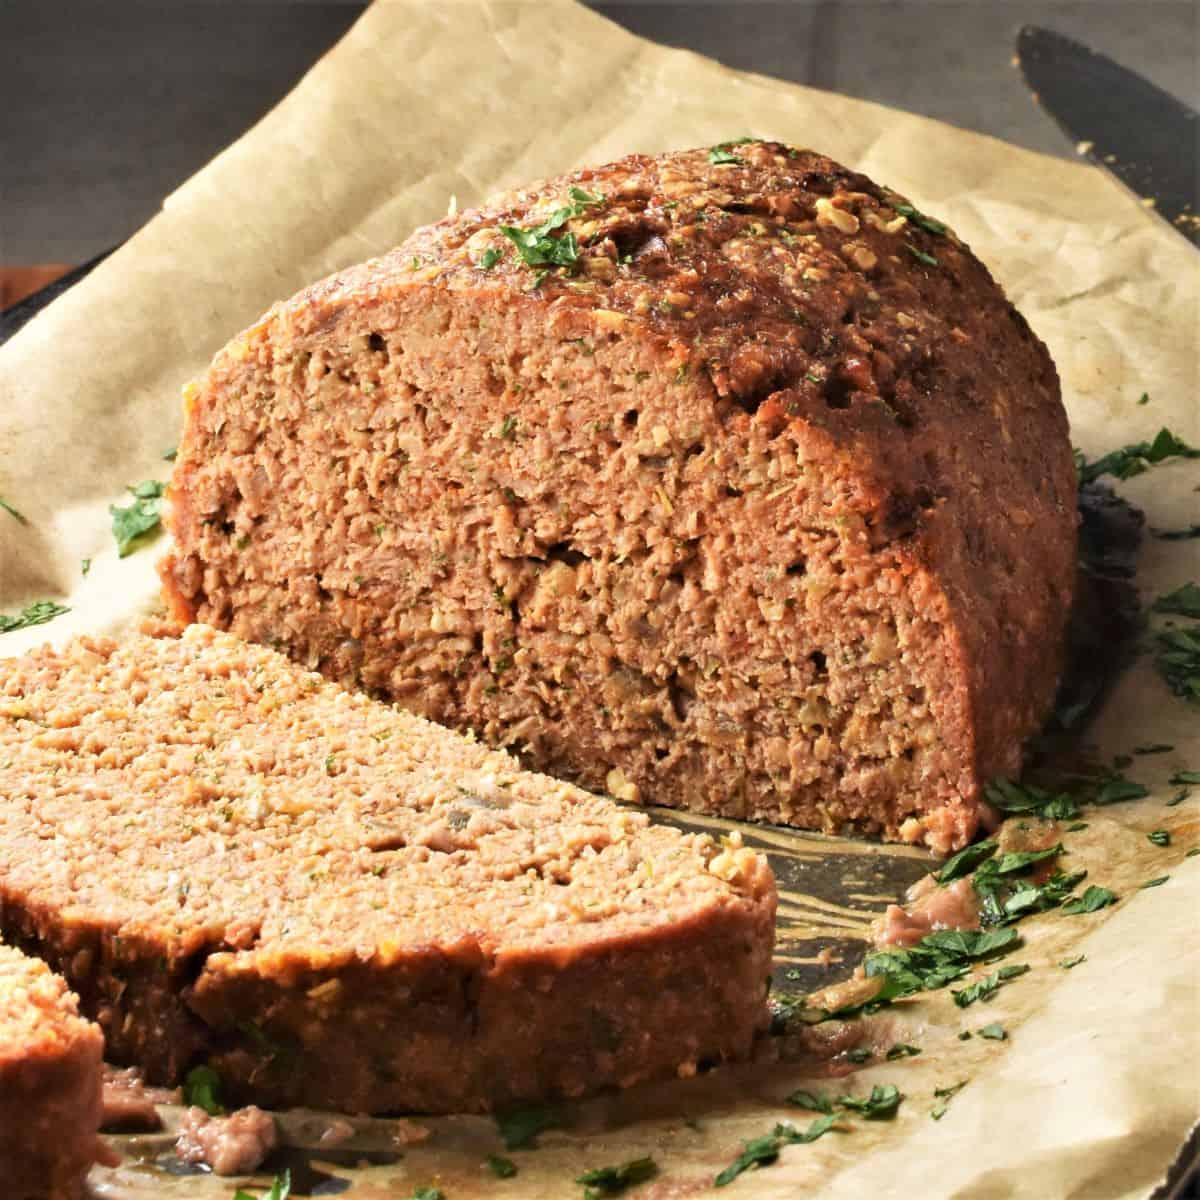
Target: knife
x,y
1119,121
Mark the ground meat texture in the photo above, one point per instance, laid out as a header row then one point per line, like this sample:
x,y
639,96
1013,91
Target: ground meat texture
x,y
231,1145
339,904
129,1105
929,906
764,507
50,1072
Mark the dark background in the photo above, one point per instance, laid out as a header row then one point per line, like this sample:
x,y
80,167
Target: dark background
x,y
107,105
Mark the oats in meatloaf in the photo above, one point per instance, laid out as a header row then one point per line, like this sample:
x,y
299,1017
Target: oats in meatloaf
x,y
233,1144
342,905
728,481
50,1076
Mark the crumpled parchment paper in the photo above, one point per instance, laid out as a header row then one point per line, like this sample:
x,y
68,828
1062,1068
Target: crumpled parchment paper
x,y
1098,1084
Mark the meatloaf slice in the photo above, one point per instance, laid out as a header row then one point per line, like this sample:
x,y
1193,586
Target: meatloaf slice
x,y
724,479
343,905
50,1083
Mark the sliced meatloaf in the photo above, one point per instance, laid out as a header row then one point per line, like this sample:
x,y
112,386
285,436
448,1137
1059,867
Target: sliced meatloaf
x,y
724,479
342,905
50,1083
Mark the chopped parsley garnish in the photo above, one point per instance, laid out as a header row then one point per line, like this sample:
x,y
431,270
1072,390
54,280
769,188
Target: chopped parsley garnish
x,y
612,1181
920,255
1028,897
902,1050
12,512
1192,852
1158,748
1003,898
965,861
920,219
880,1105
508,427
721,153
281,1189
85,566
1068,963
139,518
860,1054
1144,398
944,1095
1011,797
760,1151
1117,788
1185,777
994,1032
201,1087
1154,882
37,613
584,199
1018,860
428,1193
1131,460
1159,837
1177,658
170,455
519,1127
1179,797
983,988
936,960
501,1167
813,1101
757,1152
1094,899
489,258
1177,535
1183,602
1108,786
538,248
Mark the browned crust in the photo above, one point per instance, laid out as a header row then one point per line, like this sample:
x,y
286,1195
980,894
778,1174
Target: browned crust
x,y
444,1029
50,1092
935,410
483,1033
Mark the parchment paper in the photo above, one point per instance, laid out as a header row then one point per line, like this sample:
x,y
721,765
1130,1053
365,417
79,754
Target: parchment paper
x,y
1098,1084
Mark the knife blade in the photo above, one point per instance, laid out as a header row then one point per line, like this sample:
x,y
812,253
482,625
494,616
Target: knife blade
x,y
1142,135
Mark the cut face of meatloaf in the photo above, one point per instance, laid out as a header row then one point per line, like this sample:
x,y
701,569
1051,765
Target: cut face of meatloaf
x,y
50,1083
722,480
340,904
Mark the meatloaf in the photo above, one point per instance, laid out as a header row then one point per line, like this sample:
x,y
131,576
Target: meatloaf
x,y
724,479
50,1082
339,904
